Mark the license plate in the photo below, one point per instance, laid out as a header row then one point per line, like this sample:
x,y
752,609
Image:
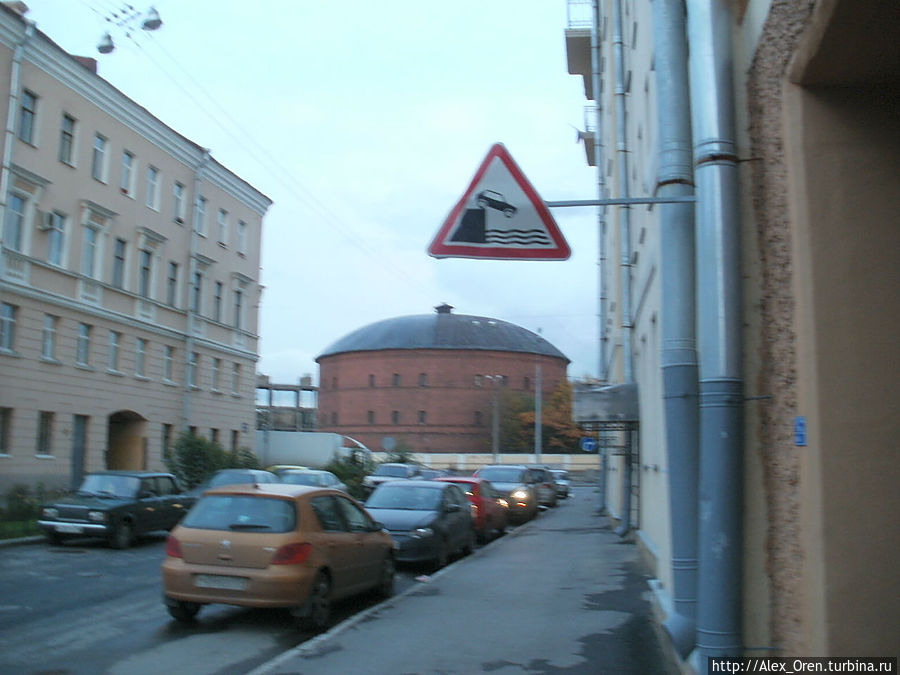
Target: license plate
x,y
68,529
220,581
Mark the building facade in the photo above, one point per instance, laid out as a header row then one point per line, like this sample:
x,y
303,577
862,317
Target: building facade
x,y
129,276
758,321
431,381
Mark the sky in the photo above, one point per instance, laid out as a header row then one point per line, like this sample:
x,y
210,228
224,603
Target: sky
x,y
365,122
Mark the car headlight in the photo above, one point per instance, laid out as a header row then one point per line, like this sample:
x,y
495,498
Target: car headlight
x,y
50,513
520,494
421,533
502,502
97,516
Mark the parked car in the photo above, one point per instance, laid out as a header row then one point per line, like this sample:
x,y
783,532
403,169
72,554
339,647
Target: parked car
x,y
313,477
234,477
275,545
517,485
431,474
545,484
429,520
117,506
563,486
388,472
489,508
278,468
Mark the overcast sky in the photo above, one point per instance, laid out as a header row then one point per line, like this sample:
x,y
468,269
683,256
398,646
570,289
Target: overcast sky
x,y
365,122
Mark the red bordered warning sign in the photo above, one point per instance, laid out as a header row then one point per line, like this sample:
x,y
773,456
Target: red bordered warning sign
x,y
500,217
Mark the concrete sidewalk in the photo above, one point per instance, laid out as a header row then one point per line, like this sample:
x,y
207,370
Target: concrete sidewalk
x,y
562,594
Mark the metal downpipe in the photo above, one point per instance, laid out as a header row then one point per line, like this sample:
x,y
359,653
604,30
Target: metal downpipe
x,y
678,314
602,366
719,610
624,244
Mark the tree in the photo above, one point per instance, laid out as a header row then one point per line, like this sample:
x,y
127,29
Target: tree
x,y
559,433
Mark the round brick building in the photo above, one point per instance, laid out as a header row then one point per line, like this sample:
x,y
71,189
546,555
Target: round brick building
x,y
431,381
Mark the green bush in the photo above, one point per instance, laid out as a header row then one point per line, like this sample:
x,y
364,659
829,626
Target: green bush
x,y
351,471
194,459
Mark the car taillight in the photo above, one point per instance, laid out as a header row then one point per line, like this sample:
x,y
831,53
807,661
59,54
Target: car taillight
x,y
292,554
173,547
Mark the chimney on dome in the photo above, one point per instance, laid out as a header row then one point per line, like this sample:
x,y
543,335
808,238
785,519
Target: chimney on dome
x,y
444,308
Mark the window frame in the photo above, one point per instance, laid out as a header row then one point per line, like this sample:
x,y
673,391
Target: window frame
x,y
26,129
8,316
67,140
100,158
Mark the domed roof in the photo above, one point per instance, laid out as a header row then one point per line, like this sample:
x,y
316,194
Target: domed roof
x,y
443,330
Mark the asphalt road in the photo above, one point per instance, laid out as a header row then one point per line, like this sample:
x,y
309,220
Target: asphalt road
x,y
84,609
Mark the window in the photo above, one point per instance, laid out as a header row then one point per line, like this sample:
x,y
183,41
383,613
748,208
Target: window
x,y
478,381
238,308
334,419
371,380
223,226
145,274
27,115
179,195
526,383
127,184
172,285
242,237
15,223
423,418
48,343
168,363
8,326
118,273
371,417
5,430
45,433
235,438
216,373
200,217
153,187
217,302
395,417
193,364
236,378
167,440
56,238
98,158
67,140
479,418
83,345
423,380
140,357
89,250
396,380
197,293
114,340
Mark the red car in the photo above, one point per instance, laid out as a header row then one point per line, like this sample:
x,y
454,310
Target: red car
x,y
488,506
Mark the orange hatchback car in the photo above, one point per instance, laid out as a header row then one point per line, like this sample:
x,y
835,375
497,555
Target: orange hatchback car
x,y
275,545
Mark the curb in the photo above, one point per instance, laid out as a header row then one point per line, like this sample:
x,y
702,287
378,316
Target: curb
x,y
21,541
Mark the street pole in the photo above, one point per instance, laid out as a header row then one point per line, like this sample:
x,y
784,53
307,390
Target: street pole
x,y
495,423
538,404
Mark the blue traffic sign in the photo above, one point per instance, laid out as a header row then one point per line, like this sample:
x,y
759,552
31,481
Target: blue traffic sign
x,y
589,444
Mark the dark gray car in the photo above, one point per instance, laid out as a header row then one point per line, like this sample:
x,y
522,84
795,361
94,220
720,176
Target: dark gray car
x,y
429,520
518,485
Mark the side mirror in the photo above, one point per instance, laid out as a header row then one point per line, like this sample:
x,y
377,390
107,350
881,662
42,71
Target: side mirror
x,y
452,508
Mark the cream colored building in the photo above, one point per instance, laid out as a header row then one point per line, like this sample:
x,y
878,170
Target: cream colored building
x,y
788,543
129,276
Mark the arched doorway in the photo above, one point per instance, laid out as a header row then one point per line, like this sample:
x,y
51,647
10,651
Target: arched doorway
x,y
126,441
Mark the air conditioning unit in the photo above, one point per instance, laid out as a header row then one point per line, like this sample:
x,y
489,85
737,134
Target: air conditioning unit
x,y
45,220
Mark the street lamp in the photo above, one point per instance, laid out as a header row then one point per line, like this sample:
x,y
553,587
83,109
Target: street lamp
x,y
495,422
127,19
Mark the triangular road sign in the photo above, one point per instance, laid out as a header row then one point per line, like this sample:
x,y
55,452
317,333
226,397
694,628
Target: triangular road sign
x,y
500,217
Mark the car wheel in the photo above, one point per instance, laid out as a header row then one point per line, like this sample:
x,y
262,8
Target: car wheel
x,y
182,611
55,538
385,588
442,557
319,616
121,535
469,546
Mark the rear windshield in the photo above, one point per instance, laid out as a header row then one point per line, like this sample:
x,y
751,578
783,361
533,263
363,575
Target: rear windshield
x,y
242,512
501,474
301,478
394,471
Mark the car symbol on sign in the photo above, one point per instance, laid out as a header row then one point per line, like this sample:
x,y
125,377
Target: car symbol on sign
x,y
495,200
